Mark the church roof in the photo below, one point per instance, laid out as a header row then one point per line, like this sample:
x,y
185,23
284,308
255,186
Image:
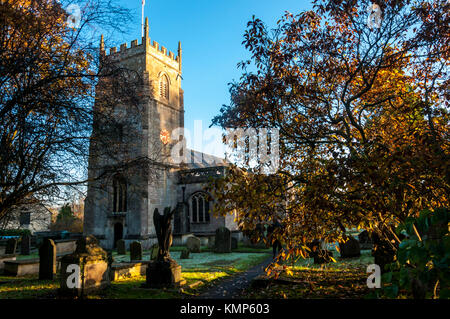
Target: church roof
x,y
202,160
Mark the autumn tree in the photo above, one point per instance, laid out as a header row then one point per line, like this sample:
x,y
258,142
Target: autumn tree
x,y
50,64
362,111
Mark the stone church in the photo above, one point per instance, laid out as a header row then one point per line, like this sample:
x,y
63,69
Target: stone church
x,y
121,205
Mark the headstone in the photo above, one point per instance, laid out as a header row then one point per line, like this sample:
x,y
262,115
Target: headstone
x,y
223,240
314,247
185,254
154,252
25,245
11,245
135,251
234,243
86,269
193,244
323,256
365,240
47,259
121,249
350,248
382,251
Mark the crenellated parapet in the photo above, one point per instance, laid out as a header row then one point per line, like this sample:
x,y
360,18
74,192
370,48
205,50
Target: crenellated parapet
x,y
146,45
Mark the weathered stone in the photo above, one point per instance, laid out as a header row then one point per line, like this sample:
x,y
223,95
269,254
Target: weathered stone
x,y
11,246
323,256
47,259
193,244
135,251
121,248
350,248
223,240
25,245
234,243
163,274
92,261
185,254
154,252
22,267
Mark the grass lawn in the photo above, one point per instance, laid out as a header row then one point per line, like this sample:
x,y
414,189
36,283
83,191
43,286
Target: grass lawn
x,y
201,269
344,279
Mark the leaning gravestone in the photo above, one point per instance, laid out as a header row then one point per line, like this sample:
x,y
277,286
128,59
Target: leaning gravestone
x,y
25,245
193,244
86,269
223,240
121,249
350,248
11,246
135,251
47,259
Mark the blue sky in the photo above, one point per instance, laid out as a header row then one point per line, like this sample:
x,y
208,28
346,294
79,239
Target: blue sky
x,y
211,32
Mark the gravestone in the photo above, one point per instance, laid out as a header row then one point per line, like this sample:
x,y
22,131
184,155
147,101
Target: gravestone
x,y
135,251
365,240
323,256
223,240
185,254
350,248
47,259
193,244
25,245
121,249
11,246
314,247
154,252
92,261
234,243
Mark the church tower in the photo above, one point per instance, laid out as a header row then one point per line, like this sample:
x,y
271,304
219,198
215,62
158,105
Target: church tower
x,y
121,198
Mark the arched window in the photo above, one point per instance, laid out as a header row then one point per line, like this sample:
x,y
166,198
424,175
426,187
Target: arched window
x,y
119,195
199,208
164,87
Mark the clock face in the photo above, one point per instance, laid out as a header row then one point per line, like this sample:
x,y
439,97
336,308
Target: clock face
x,y
164,136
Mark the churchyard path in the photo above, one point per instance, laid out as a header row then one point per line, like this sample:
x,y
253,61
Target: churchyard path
x,y
231,288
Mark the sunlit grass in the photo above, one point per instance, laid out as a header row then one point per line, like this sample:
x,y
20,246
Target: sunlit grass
x,y
345,278
202,270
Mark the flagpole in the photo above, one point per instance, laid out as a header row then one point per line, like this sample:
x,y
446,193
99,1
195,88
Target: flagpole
x,y
142,23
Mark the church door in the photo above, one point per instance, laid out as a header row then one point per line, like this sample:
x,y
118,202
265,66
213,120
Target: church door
x,y
118,232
